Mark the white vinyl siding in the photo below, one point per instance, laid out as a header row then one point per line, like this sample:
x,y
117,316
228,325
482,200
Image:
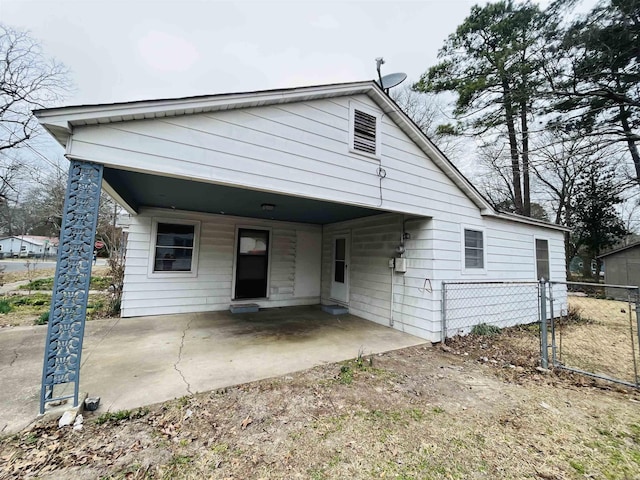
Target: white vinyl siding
x,y
299,149
212,288
305,149
373,243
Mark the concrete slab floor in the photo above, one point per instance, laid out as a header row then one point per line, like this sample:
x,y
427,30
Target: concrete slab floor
x,y
132,362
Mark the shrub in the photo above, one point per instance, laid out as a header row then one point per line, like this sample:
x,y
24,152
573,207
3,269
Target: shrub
x,y
5,306
43,319
485,330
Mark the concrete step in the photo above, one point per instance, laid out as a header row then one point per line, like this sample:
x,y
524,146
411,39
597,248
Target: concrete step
x,y
244,308
335,309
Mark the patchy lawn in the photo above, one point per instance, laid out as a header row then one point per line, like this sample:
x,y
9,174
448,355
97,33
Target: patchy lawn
x,y
29,304
413,413
46,284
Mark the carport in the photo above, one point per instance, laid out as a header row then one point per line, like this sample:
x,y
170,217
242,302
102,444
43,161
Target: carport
x,y
159,358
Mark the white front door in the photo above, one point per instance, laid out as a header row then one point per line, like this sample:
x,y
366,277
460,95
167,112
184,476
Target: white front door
x,y
340,269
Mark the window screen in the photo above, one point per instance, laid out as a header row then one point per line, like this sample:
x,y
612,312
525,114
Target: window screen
x,y
473,249
174,247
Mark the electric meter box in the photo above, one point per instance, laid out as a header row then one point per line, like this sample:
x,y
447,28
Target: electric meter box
x,y
401,265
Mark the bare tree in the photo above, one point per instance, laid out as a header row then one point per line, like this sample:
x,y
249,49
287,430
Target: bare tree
x,y
28,80
428,112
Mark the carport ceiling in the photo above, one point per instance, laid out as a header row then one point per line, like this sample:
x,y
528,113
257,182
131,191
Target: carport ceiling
x,y
145,190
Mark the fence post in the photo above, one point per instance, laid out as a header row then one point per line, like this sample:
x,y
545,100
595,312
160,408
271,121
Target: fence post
x,y
638,327
544,348
443,334
553,326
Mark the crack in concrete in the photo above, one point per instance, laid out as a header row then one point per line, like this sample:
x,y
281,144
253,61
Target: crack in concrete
x,y
15,357
175,365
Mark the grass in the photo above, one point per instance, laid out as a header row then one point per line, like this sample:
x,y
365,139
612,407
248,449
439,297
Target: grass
x,y
121,415
46,284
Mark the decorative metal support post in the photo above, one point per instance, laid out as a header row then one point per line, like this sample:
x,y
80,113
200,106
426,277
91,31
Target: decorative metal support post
x,y
65,332
544,347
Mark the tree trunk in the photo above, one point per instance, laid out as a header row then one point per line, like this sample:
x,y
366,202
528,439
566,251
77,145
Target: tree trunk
x,y
513,146
526,194
631,144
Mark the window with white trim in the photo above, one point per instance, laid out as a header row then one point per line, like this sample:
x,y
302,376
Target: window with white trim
x,y
542,259
175,246
473,249
364,131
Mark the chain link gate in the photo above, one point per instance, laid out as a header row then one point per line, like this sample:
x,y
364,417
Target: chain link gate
x,y
585,328
594,330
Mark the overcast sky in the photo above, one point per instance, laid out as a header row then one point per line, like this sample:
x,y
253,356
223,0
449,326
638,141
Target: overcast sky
x,y
140,49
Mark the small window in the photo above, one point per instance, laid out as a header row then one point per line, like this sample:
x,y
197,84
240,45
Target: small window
x,y
542,259
174,249
364,131
23,248
473,249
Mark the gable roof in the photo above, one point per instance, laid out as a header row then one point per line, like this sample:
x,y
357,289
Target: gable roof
x,y
621,249
60,122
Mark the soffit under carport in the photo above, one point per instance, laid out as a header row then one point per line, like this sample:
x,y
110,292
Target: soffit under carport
x,y
146,190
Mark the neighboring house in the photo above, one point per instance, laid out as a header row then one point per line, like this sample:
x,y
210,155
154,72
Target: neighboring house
x,y
316,195
28,246
622,265
576,265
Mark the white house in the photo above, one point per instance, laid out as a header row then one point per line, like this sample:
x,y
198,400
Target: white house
x,y
21,246
316,195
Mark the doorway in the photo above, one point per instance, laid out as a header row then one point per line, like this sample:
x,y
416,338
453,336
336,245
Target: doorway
x,y
252,263
340,269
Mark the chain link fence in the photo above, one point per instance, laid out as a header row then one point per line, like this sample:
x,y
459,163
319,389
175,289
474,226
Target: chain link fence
x,y
499,321
591,329
594,330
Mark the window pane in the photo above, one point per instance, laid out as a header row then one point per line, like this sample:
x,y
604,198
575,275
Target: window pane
x,y
340,248
174,247
473,249
339,273
254,242
542,259
472,238
173,259
174,235
473,258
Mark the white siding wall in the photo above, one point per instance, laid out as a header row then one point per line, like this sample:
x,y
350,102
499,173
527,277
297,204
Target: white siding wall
x,y
212,288
510,257
300,149
373,243
434,254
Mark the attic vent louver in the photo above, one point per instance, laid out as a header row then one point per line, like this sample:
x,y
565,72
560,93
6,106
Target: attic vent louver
x,y
364,132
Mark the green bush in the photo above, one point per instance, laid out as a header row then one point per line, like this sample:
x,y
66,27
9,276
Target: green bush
x,y
43,319
485,330
5,306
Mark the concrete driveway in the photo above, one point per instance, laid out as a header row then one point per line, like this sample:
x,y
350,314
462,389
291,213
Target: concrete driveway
x,y
132,362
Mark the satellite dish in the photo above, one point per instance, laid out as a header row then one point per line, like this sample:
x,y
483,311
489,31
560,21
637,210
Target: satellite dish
x,y
392,80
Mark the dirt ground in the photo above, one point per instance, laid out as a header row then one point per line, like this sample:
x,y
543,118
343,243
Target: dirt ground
x,y
417,413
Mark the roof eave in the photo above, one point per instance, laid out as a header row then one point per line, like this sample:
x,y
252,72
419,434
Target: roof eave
x,y
59,122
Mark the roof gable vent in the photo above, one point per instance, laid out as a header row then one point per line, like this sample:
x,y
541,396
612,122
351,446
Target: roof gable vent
x,y
364,132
